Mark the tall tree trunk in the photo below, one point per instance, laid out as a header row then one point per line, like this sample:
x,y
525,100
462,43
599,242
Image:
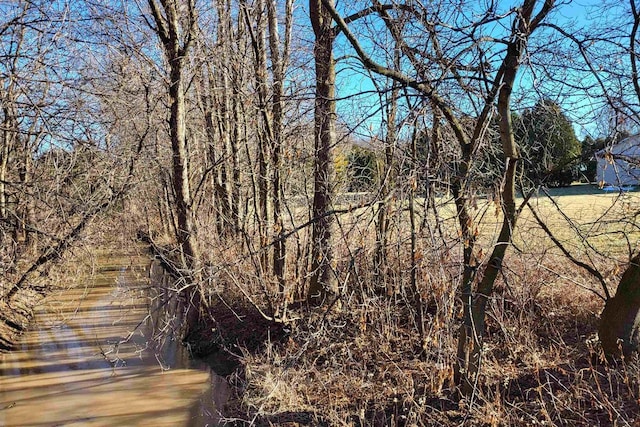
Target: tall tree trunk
x,y
181,185
264,129
236,65
278,62
415,291
11,147
472,332
216,123
169,31
465,222
323,278
235,162
25,213
7,144
387,180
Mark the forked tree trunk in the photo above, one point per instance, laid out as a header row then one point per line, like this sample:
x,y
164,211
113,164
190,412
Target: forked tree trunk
x,y
169,30
619,328
470,341
474,304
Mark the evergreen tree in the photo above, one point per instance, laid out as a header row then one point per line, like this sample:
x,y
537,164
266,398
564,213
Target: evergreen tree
x,y
550,149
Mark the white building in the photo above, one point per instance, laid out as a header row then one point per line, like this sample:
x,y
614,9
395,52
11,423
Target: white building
x,y
619,165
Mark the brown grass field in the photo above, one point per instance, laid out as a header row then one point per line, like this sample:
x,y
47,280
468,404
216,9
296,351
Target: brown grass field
x,y
367,361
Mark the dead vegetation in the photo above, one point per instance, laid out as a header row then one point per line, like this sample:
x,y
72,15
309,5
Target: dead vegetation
x,y
365,364
382,354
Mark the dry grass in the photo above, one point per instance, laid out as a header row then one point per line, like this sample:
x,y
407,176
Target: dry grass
x,y
366,365
366,362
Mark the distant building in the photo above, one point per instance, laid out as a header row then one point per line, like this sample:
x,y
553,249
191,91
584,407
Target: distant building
x,y
619,165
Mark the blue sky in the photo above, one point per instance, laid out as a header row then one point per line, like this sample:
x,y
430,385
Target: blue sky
x,y
582,108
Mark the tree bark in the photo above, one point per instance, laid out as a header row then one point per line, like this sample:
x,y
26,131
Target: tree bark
x,y
26,213
473,330
8,136
264,128
168,29
619,328
323,279
278,62
387,180
4,159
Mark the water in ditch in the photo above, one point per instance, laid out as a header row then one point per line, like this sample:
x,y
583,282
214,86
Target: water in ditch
x,y
107,353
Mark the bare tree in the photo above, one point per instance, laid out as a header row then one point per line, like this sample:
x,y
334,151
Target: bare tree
x,y
323,281
175,26
279,61
605,71
492,94
619,328
62,168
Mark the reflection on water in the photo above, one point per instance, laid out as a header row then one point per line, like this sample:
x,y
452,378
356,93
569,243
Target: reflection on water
x,y
107,354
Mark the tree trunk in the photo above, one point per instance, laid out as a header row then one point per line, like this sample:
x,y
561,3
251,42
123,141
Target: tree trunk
x,y
10,147
470,341
186,236
26,212
387,178
216,123
323,278
278,65
175,50
264,126
416,296
619,328
181,184
4,158
235,162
